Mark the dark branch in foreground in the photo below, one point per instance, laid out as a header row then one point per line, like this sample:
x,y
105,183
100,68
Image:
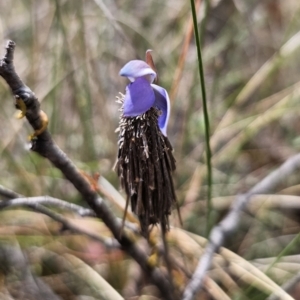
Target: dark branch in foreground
x,y
231,221
46,147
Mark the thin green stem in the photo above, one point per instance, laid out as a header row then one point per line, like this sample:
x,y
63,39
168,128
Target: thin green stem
x,y
206,120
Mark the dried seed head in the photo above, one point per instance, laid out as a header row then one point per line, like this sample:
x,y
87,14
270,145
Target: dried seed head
x,y
144,165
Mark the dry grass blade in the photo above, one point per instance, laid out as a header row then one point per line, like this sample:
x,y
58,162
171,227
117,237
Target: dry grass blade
x,y
183,55
220,274
252,274
86,274
257,281
214,290
258,202
278,110
111,193
113,21
226,133
279,269
187,245
260,76
192,191
284,52
288,286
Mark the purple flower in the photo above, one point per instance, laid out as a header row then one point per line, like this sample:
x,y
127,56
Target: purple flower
x,y
141,94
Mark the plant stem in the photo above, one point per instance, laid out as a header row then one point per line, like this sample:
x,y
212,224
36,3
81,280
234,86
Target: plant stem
x,y
206,120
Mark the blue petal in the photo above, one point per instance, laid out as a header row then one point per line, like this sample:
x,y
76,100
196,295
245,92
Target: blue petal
x,y
138,68
139,98
162,102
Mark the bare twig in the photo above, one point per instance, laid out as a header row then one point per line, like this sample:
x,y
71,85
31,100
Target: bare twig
x,y
8,194
47,200
46,147
34,203
230,222
20,200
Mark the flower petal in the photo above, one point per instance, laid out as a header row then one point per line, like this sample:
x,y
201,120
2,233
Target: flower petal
x,y
162,102
138,68
139,98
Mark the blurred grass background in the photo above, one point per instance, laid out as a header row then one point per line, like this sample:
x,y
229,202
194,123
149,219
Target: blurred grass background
x,y
70,52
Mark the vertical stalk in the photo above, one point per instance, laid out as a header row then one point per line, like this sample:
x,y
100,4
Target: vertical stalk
x,y
206,120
